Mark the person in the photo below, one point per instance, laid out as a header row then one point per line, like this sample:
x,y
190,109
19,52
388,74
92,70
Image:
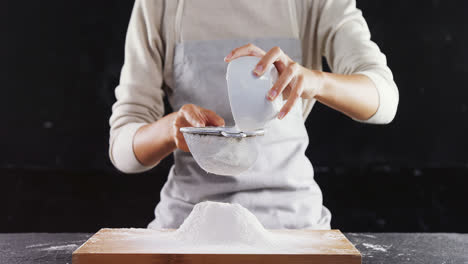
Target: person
x,y
180,49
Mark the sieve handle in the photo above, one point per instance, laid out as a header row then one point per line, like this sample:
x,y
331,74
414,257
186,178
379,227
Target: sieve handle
x,y
233,135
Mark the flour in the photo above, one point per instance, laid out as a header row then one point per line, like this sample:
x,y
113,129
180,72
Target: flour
x,y
222,228
375,247
69,247
215,223
231,228
222,155
38,245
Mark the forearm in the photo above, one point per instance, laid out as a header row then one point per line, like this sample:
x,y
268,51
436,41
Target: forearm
x,y
153,142
354,95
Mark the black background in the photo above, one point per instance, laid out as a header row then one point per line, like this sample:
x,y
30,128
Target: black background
x,y
61,60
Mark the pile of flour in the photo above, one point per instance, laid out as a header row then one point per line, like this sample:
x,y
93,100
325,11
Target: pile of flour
x,y
223,228
223,223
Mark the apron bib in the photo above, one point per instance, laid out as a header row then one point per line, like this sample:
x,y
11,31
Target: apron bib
x,y
279,189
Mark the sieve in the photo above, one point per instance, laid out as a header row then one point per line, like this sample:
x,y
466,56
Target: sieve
x,y
223,150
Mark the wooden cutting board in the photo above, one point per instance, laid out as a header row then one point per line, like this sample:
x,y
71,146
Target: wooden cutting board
x,y
142,246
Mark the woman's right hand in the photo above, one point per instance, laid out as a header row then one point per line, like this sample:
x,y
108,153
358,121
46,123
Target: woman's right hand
x,y
191,115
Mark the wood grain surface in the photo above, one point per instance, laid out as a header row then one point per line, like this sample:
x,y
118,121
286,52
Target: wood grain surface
x,y
141,246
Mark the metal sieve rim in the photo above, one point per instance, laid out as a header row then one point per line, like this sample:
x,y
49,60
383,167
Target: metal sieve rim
x,y
222,131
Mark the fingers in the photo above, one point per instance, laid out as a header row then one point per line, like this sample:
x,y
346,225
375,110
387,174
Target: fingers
x,y
296,92
181,143
194,118
273,55
284,79
188,116
246,50
280,66
213,119
191,115
179,138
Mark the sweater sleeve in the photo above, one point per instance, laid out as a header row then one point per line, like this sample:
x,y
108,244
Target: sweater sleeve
x,y
139,94
345,42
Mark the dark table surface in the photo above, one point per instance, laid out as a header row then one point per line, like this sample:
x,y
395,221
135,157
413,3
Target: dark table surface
x,y
392,248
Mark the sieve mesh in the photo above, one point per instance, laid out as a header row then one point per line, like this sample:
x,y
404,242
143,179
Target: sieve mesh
x,y
222,155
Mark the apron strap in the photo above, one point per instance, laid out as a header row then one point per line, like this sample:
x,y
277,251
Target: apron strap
x,y
178,21
293,18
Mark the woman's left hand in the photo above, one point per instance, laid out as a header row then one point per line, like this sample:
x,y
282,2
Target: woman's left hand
x,y
294,81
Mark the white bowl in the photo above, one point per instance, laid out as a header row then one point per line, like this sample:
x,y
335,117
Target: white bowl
x,y
247,94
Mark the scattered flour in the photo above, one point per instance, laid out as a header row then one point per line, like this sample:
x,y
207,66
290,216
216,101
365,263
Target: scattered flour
x,y
333,235
363,235
69,247
374,247
38,245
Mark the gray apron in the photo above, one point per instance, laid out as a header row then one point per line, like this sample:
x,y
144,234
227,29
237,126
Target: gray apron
x,y
279,189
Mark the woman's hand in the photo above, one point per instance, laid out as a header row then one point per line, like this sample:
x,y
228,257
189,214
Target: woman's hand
x,y
155,141
294,81
191,115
